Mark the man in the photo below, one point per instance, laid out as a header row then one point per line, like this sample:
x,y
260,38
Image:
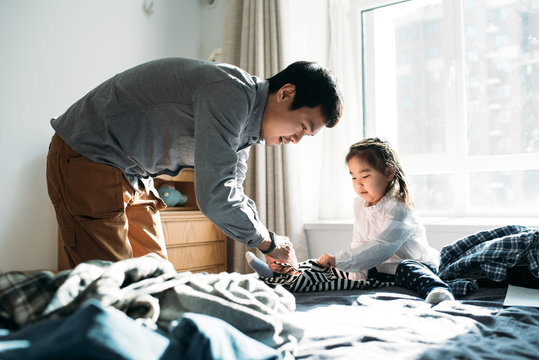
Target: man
x,y
160,117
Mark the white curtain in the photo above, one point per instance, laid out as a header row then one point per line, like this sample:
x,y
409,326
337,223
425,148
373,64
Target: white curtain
x,y
253,40
336,203
320,30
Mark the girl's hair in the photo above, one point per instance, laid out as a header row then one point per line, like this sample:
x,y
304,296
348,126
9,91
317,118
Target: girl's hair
x,y
379,154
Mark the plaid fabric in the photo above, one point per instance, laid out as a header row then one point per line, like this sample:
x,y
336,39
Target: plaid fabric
x,y
149,290
488,254
316,278
24,296
29,297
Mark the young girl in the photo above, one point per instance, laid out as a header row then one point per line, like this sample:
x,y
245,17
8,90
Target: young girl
x,y
387,238
389,243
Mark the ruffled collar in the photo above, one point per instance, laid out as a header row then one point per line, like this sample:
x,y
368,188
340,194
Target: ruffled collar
x,y
388,197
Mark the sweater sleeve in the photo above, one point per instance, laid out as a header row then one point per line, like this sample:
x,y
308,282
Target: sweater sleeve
x,y
220,112
394,229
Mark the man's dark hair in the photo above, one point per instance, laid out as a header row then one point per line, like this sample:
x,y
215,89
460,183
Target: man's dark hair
x,y
315,85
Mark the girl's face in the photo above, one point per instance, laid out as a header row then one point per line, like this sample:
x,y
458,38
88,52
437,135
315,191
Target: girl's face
x,y
368,182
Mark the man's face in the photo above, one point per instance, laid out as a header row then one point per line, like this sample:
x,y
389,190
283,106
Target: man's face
x,y
289,126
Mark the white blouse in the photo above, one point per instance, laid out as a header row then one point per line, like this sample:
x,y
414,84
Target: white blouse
x,y
383,235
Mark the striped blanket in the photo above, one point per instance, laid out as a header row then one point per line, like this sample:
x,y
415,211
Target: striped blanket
x,y
314,277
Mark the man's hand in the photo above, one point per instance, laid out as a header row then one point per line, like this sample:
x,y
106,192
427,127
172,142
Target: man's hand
x,y
284,253
275,266
327,261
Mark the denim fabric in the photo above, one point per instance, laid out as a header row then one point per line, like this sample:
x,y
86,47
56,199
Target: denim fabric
x,y
95,332
206,337
92,332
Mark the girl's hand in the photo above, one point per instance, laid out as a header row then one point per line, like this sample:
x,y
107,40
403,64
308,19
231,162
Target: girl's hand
x,y
327,261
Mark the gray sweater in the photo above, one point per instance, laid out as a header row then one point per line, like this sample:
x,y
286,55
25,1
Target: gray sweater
x,y
168,114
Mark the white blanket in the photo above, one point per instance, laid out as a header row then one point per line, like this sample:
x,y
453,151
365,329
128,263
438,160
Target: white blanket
x,y
149,289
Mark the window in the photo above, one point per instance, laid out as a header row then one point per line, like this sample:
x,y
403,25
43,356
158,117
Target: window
x,y
454,86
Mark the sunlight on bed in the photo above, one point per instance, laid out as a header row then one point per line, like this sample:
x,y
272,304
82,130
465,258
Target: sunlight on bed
x,y
388,323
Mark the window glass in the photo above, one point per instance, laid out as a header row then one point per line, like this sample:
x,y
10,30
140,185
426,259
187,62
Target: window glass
x,y
454,85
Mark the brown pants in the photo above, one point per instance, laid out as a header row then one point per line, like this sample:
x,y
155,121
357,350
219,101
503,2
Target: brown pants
x,y
100,215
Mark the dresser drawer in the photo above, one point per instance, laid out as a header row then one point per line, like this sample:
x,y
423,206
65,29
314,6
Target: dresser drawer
x,y
186,227
198,257
193,242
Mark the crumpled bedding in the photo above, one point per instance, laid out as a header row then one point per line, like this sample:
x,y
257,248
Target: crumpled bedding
x,y
385,323
101,332
149,290
393,323
489,254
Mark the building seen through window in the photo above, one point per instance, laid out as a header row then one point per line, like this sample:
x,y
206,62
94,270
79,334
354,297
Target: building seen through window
x,y
454,85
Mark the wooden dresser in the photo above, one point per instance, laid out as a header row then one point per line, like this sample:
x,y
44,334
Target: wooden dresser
x,y
193,242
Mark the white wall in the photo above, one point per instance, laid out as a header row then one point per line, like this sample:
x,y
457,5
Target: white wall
x,y
330,237
52,53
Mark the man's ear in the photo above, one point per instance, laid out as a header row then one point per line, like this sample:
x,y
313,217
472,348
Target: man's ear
x,y
286,91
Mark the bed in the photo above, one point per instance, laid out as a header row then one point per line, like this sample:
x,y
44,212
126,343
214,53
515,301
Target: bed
x,y
143,309
393,323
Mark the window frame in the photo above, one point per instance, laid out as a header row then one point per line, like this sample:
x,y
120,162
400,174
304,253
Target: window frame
x,y
455,160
